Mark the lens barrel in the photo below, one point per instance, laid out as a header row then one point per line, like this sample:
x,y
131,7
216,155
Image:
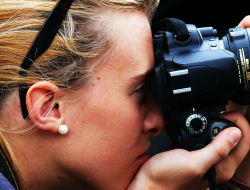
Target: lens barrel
x,y
237,41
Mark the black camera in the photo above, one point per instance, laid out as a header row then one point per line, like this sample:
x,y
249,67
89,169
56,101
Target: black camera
x,y
197,74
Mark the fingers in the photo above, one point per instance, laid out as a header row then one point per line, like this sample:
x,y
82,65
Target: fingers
x,y
165,170
223,151
217,150
239,152
245,23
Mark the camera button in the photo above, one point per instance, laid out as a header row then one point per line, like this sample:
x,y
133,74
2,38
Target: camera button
x,y
215,131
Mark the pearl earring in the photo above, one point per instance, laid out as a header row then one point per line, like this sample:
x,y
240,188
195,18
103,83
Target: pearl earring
x,y
63,129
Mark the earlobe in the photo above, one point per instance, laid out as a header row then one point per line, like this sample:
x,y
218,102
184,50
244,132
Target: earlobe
x,y
45,111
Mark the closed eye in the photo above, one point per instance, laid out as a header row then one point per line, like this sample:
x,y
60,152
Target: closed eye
x,y
142,89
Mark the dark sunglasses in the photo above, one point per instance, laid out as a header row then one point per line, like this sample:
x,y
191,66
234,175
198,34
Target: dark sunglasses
x,y
41,43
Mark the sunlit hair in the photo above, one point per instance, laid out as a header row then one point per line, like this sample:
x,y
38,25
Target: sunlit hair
x,y
83,36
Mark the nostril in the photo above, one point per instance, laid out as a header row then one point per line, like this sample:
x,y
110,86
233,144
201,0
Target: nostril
x,y
153,131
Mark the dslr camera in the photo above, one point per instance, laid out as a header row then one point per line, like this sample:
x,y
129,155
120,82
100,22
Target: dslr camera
x,y
195,74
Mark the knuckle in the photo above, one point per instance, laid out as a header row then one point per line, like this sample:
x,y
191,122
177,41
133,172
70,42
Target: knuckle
x,y
222,152
225,176
224,173
247,17
199,173
196,171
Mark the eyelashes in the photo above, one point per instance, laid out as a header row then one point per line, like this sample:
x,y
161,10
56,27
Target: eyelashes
x,y
143,91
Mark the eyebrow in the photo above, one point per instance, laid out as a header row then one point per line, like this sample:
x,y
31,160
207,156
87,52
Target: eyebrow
x,y
143,76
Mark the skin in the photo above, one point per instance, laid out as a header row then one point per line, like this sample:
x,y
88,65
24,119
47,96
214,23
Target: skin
x,y
110,122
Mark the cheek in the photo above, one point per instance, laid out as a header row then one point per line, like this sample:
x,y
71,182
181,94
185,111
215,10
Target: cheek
x,y
109,136
116,117
108,125
106,119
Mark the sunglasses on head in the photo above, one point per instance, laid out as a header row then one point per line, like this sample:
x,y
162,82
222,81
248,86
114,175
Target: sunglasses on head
x,y
41,43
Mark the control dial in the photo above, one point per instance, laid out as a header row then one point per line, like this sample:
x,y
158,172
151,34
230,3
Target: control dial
x,y
196,124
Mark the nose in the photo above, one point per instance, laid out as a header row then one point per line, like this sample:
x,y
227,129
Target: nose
x,y
153,123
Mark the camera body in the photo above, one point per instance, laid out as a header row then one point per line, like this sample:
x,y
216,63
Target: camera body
x,y
195,76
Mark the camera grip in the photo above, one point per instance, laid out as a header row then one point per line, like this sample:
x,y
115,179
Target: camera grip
x,y
218,125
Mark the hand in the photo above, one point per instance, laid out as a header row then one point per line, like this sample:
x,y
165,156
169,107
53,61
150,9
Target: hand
x,y
181,170
243,171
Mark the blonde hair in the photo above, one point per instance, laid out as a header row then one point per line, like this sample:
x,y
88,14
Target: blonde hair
x,y
82,37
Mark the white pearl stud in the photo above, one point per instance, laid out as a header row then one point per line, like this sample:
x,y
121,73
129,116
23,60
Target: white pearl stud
x,y
63,129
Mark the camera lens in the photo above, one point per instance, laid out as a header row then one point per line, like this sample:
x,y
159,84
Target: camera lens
x,y
237,41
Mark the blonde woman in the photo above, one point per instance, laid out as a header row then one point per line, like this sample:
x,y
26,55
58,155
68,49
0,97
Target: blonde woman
x,y
80,115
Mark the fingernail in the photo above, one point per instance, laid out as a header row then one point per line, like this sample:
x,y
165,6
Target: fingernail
x,y
234,136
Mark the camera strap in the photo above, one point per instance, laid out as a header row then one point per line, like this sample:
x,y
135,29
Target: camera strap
x,y
178,27
211,177
7,171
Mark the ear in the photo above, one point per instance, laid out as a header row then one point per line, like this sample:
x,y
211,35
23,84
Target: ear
x,y
45,109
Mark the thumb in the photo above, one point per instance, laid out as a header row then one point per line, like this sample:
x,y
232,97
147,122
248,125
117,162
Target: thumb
x,y
218,149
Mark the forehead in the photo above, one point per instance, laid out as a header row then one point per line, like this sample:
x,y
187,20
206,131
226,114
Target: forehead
x,y
132,49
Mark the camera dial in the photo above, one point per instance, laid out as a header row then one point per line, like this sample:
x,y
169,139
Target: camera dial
x,y
196,124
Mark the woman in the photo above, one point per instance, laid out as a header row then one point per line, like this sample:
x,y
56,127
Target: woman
x,y
90,111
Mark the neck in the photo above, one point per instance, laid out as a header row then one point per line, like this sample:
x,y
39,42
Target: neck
x,y
38,161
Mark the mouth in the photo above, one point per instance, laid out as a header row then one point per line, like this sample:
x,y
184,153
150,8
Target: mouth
x,y
144,157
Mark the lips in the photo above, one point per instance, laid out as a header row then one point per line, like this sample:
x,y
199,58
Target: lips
x,y
144,157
